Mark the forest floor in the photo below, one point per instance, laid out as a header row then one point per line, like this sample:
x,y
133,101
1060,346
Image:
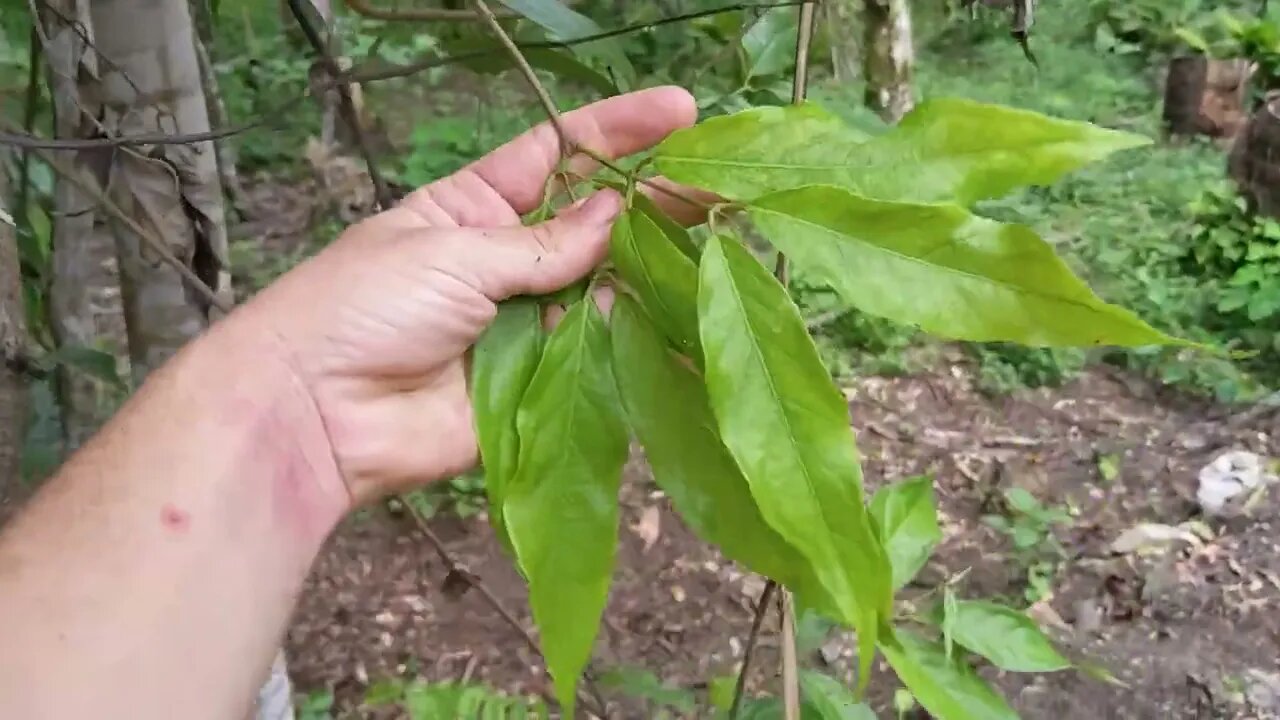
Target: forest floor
x,y
1188,629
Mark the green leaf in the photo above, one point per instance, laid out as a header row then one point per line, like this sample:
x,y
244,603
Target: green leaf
x,y
562,507
949,606
1006,637
384,692
675,232
565,24
830,700
770,44
665,280
97,364
495,59
904,513
948,689
668,409
643,684
503,364
939,267
944,150
788,427
748,153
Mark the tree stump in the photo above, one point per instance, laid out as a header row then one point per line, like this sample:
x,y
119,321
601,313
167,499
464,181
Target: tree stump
x,y
1206,96
1254,163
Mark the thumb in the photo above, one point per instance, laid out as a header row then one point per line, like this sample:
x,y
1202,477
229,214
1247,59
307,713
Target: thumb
x,y
546,257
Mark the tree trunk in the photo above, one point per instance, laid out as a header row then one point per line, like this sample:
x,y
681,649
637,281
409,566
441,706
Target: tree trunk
x,y
842,29
1254,162
13,336
153,85
84,294
889,58
224,152
1206,96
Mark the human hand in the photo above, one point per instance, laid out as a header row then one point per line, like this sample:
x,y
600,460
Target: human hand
x,y
377,325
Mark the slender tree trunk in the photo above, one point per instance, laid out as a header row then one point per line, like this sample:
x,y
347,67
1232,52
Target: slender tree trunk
x,y
224,152
84,295
153,85
889,58
842,29
13,336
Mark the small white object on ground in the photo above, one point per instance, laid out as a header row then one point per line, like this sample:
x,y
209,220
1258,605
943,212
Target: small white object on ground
x,y
1144,538
1230,479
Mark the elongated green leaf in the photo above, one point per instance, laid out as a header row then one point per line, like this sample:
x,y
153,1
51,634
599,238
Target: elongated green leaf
x,y
670,413
788,427
562,508
948,689
750,153
831,700
94,363
564,23
770,44
944,150
1006,637
908,523
664,279
502,365
939,267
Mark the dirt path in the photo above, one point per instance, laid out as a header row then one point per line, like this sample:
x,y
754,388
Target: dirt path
x,y
1193,632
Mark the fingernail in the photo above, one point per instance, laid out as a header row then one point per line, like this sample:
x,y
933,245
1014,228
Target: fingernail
x,y
602,208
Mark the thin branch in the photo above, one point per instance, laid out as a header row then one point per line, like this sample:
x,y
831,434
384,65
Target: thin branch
x,y
32,142
112,209
382,191
762,609
790,667
396,71
369,10
567,145
459,571
799,89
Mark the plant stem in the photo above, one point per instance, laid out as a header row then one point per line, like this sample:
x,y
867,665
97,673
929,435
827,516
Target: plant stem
x,y
790,668
762,609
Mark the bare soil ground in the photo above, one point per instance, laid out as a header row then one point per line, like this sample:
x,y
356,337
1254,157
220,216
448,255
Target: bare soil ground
x,y
1190,631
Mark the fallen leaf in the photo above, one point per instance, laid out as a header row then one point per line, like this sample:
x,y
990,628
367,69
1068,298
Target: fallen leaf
x,y
1145,538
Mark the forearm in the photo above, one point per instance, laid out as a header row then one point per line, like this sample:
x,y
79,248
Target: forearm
x,y
154,575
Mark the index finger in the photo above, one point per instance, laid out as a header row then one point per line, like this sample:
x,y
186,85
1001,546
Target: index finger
x,y
614,127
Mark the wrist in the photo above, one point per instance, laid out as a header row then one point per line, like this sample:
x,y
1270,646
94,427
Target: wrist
x,y
276,435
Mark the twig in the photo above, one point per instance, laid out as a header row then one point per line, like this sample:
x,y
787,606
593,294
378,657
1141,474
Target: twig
x,y
112,209
32,142
799,88
369,10
382,191
762,609
567,145
456,569
790,668
395,71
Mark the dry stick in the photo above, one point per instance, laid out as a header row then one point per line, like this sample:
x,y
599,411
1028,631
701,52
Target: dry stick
x,y
762,609
148,237
790,668
382,191
799,88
